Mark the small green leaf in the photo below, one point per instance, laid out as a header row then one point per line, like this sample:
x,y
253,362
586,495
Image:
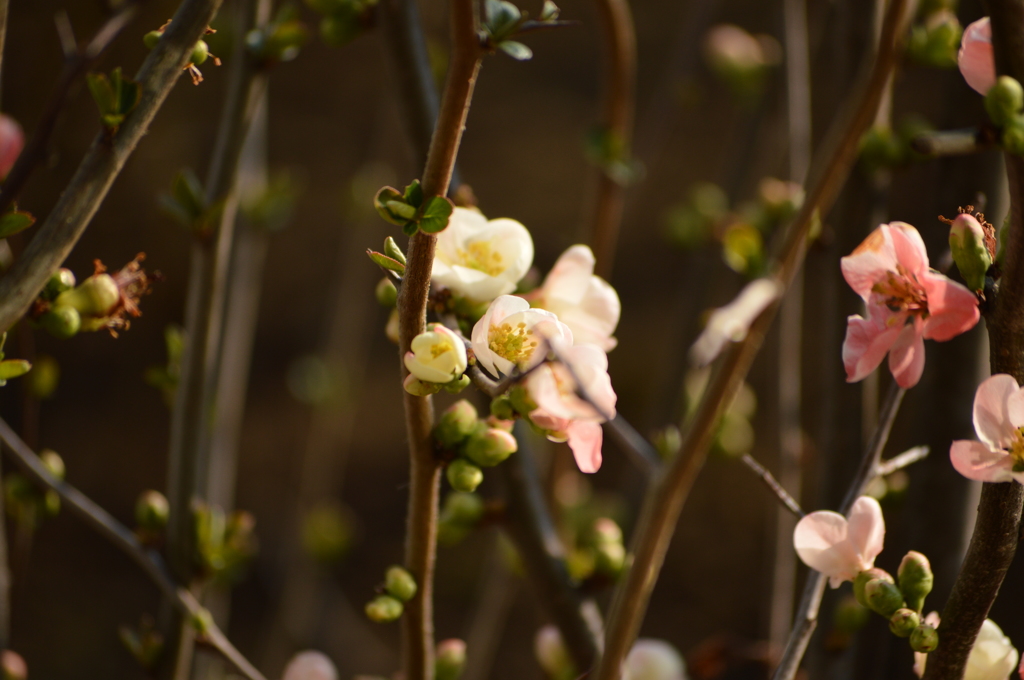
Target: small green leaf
x,y
15,221
413,194
503,19
383,260
410,228
401,210
392,250
188,191
103,92
434,214
550,11
516,50
13,368
128,97
380,201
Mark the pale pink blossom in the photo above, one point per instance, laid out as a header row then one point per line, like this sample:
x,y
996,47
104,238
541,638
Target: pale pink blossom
x,y
585,303
838,547
481,259
993,656
977,63
998,419
507,335
907,302
651,659
562,412
310,666
732,322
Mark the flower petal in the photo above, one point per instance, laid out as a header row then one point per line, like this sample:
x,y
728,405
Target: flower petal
x,y
976,59
906,358
952,308
976,461
867,341
909,247
569,278
870,261
820,539
585,440
731,322
992,420
866,529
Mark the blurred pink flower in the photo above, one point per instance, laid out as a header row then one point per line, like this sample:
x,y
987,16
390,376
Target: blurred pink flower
x,y
977,64
998,418
12,140
310,666
840,548
907,302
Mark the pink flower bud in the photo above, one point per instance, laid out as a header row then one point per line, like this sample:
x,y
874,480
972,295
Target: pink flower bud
x,y
977,64
310,666
12,140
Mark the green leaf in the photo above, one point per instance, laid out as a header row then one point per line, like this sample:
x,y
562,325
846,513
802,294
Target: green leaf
x,y
383,260
434,214
503,19
13,368
15,221
410,228
188,192
103,92
414,194
516,50
392,250
401,210
550,11
128,97
384,196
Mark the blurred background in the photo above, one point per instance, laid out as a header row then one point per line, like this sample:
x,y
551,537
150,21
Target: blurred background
x,y
322,433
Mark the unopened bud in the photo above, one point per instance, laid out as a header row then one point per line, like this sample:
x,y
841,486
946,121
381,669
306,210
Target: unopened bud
x,y
1004,100
420,388
45,376
883,597
391,328
384,609
967,244
451,659
606,531
916,579
53,463
456,424
200,53
463,508
387,294
610,558
924,639
400,584
457,385
501,407
14,667
1013,136
310,665
152,511
862,579
463,475
491,447
151,39
552,654
51,503
903,622
94,297
654,660
60,281
61,321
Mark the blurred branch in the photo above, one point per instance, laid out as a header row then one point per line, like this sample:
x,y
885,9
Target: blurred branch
x,y
619,39
122,537
104,160
908,457
425,469
773,484
669,490
954,142
807,614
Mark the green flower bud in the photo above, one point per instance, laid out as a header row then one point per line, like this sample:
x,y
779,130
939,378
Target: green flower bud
x,y
916,579
501,407
521,400
384,609
464,476
924,639
51,503
883,597
151,39
967,244
53,463
606,531
1004,100
13,368
904,622
457,385
387,294
61,321
1013,136
60,281
849,615
610,558
151,511
456,424
491,447
94,297
420,388
18,490
42,381
327,532
340,28
450,659
463,508
400,584
200,53
862,579
14,667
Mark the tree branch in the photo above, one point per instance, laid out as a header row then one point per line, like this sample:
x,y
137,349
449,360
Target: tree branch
x,y
773,485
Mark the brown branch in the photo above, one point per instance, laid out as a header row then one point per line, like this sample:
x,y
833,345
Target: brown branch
x,y
773,485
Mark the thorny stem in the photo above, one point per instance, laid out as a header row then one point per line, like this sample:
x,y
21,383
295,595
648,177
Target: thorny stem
x,y
669,490
619,105
424,468
101,165
123,538
997,527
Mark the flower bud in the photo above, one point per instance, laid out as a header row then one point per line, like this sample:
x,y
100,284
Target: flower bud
x,y
1004,100
310,665
456,386
450,660
552,654
391,329
463,508
606,531
400,584
867,575
521,400
151,39
654,660
883,597
1013,136
43,380
437,355
200,53
456,424
903,622
967,244
610,558
501,407
924,639
491,447
94,297
916,579
51,503
418,388
384,609
463,475
152,511
14,667
60,281
61,321
53,463
327,532
386,293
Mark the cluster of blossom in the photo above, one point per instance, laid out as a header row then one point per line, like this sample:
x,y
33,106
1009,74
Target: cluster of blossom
x,y
553,336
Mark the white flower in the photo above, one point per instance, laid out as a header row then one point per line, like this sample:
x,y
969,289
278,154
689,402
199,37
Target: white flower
x,y
510,334
481,259
583,302
438,355
654,660
993,656
841,548
731,323
310,666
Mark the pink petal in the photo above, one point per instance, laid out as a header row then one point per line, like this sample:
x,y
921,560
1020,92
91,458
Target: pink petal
x,y
976,461
867,341
909,247
585,440
310,666
820,541
992,420
570,277
12,140
1015,408
906,358
867,529
976,61
870,261
952,308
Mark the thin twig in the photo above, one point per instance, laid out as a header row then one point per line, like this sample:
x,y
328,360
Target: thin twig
x,y
104,160
669,490
773,484
123,538
954,142
905,459
807,614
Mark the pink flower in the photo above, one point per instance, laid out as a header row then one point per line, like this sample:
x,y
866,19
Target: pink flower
x,y
562,412
841,548
998,418
977,64
12,140
310,666
583,302
906,303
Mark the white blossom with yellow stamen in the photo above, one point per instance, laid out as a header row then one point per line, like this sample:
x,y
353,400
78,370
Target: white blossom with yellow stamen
x,y
481,259
512,335
438,355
